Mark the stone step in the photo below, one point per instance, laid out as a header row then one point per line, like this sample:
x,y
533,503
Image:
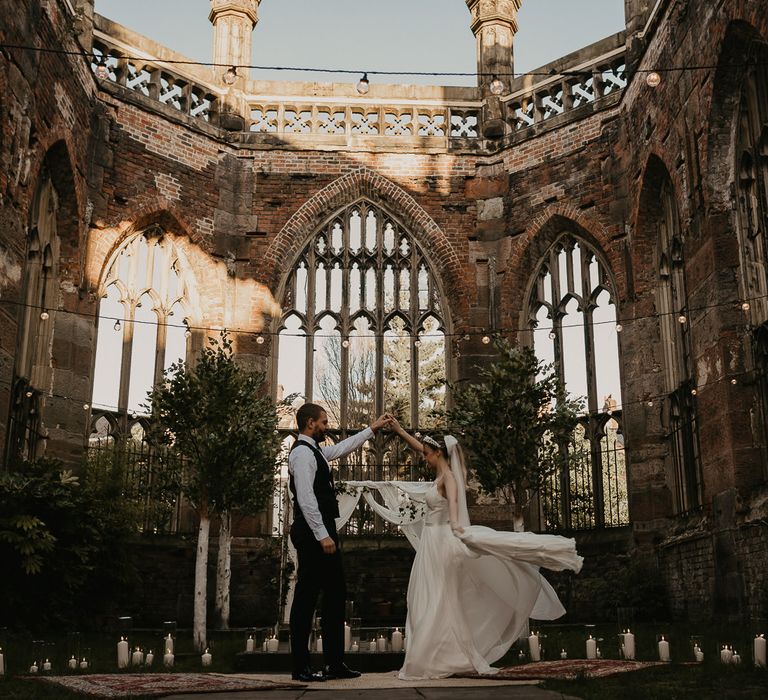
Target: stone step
x,y
277,662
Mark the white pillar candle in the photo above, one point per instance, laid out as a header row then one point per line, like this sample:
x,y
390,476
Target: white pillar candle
x,y
563,654
83,664
629,645
735,659
663,650
264,646
33,667
273,644
381,644
591,648
355,648
397,640
249,644
758,649
123,654
169,643
150,658
534,648
137,658
206,658
598,653
319,644
372,645
2,662
168,658
726,654
72,663
347,637
47,665
699,655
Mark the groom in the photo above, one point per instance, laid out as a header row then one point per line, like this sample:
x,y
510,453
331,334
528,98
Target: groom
x,y
314,535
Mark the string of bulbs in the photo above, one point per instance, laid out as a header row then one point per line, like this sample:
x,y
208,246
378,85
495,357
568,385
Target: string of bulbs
x,y
486,335
648,400
496,85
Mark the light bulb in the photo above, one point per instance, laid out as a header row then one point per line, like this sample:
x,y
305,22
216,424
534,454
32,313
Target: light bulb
x,y
653,79
694,392
650,404
466,336
102,71
745,306
44,316
345,343
734,381
260,339
188,331
619,328
363,85
552,335
486,339
85,406
230,76
496,86
417,342
117,325
29,394
681,318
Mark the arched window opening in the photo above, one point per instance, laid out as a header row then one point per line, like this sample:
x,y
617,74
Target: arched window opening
x,y
33,359
363,333
676,349
752,225
572,318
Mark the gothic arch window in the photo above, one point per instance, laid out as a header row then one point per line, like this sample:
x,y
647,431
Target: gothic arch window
x,y
143,317
572,317
752,225
363,332
33,361
671,305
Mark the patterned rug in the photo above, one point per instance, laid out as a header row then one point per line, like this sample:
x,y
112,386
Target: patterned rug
x,y
568,670
158,684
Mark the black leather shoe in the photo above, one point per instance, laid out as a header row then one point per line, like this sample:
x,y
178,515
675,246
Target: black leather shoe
x,y
338,672
307,675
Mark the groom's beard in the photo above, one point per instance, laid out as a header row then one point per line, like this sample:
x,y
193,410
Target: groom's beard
x,y
319,436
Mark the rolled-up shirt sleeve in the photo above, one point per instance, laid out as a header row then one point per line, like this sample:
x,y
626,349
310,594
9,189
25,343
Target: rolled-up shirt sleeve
x,y
303,467
343,448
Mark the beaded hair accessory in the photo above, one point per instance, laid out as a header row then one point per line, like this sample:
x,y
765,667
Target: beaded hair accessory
x,y
427,440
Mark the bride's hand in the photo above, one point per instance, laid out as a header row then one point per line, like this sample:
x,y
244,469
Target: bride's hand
x,y
458,530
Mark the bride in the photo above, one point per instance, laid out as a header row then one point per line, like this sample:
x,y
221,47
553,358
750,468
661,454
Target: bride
x,y
472,589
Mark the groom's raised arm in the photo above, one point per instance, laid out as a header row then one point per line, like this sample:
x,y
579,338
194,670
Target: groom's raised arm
x,y
343,448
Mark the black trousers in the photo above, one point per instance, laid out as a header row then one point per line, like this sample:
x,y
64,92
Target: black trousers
x,y
318,573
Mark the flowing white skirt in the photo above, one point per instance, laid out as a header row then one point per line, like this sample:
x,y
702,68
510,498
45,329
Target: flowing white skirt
x,y
470,597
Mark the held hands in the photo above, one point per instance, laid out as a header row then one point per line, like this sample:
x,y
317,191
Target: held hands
x,y
385,421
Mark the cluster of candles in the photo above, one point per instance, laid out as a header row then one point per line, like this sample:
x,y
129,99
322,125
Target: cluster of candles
x,y
397,644
125,658
270,644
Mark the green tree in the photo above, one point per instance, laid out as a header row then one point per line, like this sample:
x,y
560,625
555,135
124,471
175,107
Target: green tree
x,y
514,422
217,417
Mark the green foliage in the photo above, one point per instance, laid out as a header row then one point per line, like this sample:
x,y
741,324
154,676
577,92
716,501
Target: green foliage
x,y
217,418
63,543
513,422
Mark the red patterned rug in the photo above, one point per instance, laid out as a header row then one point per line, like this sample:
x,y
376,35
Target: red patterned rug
x,y
158,684
568,670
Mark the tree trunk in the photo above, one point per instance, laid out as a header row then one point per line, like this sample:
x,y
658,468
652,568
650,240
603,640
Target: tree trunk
x,y
516,515
224,570
199,631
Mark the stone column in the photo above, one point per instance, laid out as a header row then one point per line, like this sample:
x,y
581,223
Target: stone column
x,y
233,22
494,24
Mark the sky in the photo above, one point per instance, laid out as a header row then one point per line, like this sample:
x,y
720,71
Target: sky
x,y
406,35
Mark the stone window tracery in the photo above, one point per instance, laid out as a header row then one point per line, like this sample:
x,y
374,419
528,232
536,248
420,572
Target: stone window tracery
x,y
752,225
680,416
572,317
363,332
143,320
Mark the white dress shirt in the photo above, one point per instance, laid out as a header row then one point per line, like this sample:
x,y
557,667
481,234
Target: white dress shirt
x,y
302,465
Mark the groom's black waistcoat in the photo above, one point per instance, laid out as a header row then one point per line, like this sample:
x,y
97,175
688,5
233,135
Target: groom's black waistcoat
x,y
323,488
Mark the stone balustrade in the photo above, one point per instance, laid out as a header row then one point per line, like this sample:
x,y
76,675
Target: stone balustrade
x,y
336,114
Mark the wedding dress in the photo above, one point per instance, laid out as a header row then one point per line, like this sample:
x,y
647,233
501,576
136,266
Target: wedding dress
x,y
471,594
